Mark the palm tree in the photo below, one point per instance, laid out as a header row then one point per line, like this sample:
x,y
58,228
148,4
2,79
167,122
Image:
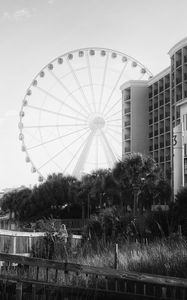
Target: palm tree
x,y
136,173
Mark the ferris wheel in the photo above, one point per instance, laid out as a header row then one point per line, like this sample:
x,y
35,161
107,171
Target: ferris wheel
x,y
71,115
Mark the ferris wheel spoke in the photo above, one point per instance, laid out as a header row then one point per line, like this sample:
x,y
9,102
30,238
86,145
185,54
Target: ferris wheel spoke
x,y
54,113
97,152
84,154
116,113
62,150
115,86
114,137
55,139
108,146
60,101
111,108
115,131
79,85
114,120
54,125
74,156
106,152
114,125
91,81
103,81
69,92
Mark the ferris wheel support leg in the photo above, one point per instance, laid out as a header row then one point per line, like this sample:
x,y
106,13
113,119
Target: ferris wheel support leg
x,y
84,154
113,158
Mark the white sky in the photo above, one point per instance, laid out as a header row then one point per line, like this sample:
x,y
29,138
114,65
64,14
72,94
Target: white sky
x,y
33,32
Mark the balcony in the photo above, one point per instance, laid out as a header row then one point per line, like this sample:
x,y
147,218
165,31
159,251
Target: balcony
x,y
162,145
127,110
155,132
161,130
178,80
167,85
127,97
185,76
161,116
150,94
167,128
127,136
127,123
155,91
150,107
150,121
161,158
167,114
150,148
150,134
127,149
161,102
156,105
155,119
168,157
185,58
178,97
161,88
178,63
185,94
156,146
167,99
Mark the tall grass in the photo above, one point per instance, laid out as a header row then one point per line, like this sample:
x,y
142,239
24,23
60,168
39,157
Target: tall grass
x,y
163,257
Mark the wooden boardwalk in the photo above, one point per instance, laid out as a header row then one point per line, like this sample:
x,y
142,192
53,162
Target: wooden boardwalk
x,y
33,278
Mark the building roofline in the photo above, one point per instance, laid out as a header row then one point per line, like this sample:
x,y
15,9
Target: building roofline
x,y
160,75
178,46
130,83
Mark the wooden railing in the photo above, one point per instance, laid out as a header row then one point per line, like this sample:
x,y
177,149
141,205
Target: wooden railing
x,y
15,242
23,243
74,279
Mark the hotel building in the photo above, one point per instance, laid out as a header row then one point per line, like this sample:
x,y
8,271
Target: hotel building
x,y
155,116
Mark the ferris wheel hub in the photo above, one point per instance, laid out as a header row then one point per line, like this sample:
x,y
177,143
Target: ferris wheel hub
x,y
97,122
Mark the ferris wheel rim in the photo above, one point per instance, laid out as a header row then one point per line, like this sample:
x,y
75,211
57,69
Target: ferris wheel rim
x,y
65,55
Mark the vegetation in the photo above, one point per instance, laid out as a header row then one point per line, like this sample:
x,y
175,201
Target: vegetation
x,y
66,197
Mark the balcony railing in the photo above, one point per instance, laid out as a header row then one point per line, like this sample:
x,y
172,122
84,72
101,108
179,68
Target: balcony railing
x,y
156,119
156,146
127,136
127,123
150,121
161,116
127,110
178,97
150,134
161,145
161,130
161,102
178,63
178,80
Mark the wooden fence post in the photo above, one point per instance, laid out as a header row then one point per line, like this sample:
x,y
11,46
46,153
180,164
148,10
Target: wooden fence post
x,y
116,257
19,291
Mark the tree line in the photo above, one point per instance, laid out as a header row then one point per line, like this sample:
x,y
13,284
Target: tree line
x,y
67,197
